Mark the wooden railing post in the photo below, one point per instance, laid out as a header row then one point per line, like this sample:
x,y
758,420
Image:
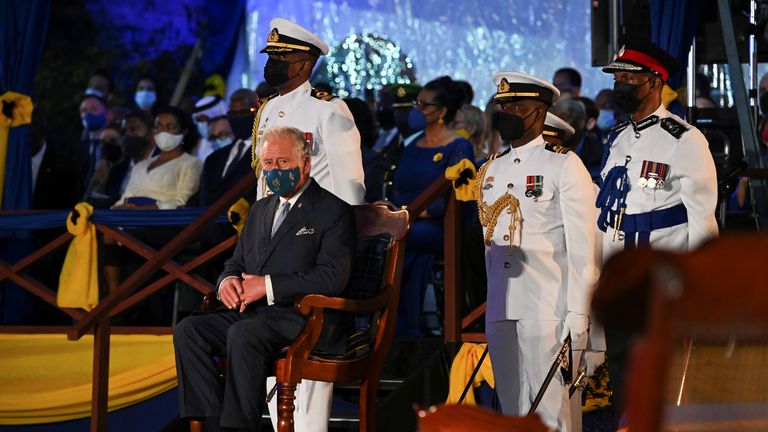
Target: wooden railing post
x,y
100,385
454,293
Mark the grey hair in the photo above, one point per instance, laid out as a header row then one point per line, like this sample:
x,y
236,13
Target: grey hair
x,y
295,136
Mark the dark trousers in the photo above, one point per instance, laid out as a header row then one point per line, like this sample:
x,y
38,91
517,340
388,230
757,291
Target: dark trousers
x,y
250,341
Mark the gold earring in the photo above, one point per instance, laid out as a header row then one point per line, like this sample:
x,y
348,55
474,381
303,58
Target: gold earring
x,y
440,120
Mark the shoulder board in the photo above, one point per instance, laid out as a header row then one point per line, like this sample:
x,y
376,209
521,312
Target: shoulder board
x,y
620,127
322,95
674,127
264,100
497,155
556,148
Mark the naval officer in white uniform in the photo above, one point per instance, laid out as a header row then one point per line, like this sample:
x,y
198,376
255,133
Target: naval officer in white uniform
x,y
658,183
337,162
536,207
337,165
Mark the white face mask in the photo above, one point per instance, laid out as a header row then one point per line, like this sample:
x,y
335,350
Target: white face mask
x,y
166,141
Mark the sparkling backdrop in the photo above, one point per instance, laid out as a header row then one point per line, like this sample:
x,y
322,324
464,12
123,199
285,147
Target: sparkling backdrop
x,y
466,39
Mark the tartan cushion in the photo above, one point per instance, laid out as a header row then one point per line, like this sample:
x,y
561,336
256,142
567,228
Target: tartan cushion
x,y
368,268
364,283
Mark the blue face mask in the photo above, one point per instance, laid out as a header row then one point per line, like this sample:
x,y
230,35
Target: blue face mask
x,y
145,98
417,121
94,122
606,120
282,181
220,143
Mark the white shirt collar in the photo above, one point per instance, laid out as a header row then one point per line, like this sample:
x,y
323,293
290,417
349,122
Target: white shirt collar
x,y
304,89
295,197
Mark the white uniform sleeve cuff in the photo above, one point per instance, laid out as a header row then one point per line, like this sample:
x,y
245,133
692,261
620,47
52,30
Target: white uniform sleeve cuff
x,y
270,294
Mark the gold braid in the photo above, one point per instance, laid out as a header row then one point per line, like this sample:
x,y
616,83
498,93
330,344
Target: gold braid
x,y
255,159
489,214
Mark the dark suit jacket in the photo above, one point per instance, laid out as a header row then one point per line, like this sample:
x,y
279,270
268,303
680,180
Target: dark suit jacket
x,y
59,184
115,179
213,185
311,252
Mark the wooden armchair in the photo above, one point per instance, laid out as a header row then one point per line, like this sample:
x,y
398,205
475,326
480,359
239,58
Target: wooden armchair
x,y
300,362
699,362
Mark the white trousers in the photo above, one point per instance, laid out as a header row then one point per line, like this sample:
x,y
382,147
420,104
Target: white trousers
x,y
312,406
522,352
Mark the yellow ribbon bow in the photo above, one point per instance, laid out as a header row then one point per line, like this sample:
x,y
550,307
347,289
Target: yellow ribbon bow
x,y
15,110
463,177
79,278
238,213
461,370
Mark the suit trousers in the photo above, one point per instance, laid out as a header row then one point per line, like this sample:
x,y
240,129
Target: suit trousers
x,y
251,341
522,352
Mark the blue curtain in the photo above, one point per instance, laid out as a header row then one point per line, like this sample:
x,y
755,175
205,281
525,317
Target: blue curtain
x,y
23,25
225,20
673,27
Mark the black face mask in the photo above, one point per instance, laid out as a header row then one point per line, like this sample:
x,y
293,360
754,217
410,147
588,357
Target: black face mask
x,y
625,95
242,127
276,72
386,118
401,121
764,103
510,126
135,147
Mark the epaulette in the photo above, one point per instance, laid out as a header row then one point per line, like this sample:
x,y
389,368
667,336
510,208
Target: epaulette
x,y
619,127
317,94
263,100
556,148
674,127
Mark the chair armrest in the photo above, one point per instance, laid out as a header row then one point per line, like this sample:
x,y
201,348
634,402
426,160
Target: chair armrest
x,y
374,304
211,302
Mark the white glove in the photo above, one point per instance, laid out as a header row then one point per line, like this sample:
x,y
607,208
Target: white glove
x,y
576,324
592,360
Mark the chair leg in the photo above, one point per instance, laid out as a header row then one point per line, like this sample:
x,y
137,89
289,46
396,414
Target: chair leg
x,y
285,407
196,426
368,391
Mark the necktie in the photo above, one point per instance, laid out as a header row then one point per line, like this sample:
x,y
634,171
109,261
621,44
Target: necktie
x,y
282,213
235,158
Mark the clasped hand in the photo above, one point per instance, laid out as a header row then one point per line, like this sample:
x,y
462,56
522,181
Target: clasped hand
x,y
238,293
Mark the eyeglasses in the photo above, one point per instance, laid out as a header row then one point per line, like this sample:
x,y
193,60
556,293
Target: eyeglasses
x,y
423,104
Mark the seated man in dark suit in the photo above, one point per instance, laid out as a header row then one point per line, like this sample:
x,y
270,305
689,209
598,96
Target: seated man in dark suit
x,y
298,241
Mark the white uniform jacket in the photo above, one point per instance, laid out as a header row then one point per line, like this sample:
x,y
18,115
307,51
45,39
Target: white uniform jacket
x,y
678,154
337,162
550,268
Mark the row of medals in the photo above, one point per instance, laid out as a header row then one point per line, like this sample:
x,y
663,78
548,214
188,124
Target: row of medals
x,y
650,182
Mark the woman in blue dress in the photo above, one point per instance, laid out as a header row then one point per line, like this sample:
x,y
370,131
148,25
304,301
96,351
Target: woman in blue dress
x,y
422,162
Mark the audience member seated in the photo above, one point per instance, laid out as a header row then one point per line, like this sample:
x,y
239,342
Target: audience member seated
x,y
94,114
138,145
435,149
470,125
394,107
145,96
568,81
111,144
493,142
373,165
205,109
298,241
56,181
164,181
609,115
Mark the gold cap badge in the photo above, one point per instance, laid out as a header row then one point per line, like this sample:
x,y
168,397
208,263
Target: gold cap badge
x,y
273,35
401,92
503,86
